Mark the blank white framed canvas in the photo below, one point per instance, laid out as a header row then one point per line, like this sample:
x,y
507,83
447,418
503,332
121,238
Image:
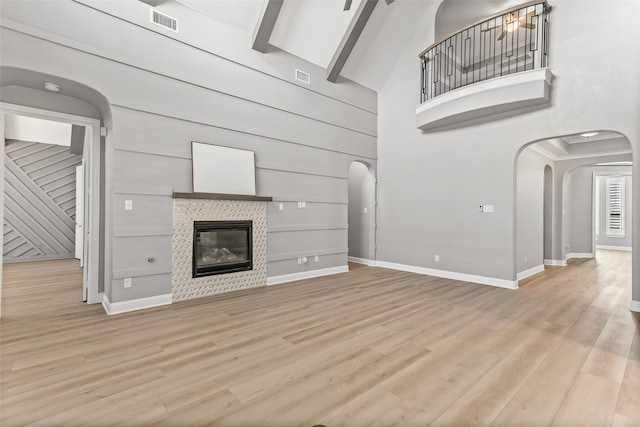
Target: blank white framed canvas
x,y
222,170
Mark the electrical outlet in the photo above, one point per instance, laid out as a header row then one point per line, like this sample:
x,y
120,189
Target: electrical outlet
x,y
525,259
299,260
280,206
317,258
436,258
127,282
128,205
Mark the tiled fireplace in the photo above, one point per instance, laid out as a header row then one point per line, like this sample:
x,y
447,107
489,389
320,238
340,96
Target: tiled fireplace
x,y
226,236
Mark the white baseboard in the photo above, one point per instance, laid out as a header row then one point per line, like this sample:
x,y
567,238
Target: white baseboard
x,y
530,272
614,248
285,278
579,255
135,304
482,280
635,306
555,262
362,261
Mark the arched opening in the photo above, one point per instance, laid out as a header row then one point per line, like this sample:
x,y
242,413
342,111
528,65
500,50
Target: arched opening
x,y
361,214
50,181
570,170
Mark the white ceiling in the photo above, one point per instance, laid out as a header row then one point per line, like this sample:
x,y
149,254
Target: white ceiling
x,y
388,31
312,29
243,14
30,129
454,15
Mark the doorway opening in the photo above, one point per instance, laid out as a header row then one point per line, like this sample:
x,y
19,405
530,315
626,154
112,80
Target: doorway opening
x,y
50,191
361,214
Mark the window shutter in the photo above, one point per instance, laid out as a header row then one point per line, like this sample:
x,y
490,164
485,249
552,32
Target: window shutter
x,y
615,207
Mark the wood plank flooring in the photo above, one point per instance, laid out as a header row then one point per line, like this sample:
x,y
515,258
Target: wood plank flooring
x,y
372,347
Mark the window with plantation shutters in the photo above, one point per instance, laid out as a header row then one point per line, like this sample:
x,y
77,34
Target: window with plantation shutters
x,y
615,207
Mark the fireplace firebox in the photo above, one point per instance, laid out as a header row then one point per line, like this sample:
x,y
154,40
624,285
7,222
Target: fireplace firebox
x,y
222,247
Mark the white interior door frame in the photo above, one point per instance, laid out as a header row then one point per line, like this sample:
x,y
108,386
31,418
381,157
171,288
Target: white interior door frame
x,y
92,189
79,249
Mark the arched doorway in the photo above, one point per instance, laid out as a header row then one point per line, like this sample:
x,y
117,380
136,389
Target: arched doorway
x,y
567,166
82,108
361,214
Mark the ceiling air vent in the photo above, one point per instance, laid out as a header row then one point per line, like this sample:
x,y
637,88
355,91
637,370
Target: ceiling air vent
x,y
303,77
164,20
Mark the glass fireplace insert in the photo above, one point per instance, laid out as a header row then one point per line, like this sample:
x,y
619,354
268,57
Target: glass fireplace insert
x,y
221,247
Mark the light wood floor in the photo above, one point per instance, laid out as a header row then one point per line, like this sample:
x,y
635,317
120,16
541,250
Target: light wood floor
x,y
372,347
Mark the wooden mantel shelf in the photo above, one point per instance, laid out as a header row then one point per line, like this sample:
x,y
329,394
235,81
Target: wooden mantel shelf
x,y
219,196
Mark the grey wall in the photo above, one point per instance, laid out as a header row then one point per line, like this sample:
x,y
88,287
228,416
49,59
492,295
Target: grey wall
x,y
40,201
579,212
580,215
359,199
530,209
548,213
562,189
191,87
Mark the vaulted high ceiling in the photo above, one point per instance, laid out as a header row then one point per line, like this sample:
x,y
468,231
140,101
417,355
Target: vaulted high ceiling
x,y
360,44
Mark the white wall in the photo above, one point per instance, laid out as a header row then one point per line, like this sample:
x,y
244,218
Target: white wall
x,y
431,183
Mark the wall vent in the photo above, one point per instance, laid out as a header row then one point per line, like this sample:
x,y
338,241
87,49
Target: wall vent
x,y
164,20
303,77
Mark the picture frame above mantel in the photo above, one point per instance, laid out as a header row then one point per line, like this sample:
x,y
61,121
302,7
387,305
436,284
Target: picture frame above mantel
x,y
222,170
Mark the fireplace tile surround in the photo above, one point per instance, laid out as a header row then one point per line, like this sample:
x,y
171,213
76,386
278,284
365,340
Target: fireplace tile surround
x,y
190,207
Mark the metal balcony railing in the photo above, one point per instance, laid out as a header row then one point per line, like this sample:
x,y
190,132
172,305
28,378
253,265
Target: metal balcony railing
x,y
510,42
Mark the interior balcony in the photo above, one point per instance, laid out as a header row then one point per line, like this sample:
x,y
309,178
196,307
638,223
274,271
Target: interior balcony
x,y
494,66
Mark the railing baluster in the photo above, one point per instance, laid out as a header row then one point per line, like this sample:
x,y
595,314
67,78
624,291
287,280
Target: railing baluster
x,y
475,54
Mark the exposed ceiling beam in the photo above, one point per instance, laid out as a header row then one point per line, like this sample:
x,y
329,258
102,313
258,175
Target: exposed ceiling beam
x,y
360,18
267,21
